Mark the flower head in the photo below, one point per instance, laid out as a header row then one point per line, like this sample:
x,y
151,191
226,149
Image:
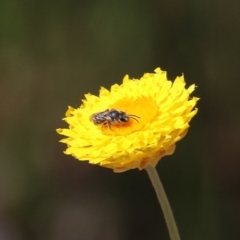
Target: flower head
x,y
157,115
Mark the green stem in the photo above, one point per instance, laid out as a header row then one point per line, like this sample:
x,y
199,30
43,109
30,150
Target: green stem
x,y
162,198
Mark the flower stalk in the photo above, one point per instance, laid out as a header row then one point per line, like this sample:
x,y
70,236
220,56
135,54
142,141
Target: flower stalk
x,y
164,203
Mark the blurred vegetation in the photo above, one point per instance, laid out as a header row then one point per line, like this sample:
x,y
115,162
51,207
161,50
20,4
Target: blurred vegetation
x,y
52,53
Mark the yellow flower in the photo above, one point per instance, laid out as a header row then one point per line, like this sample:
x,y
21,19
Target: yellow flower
x,y
162,111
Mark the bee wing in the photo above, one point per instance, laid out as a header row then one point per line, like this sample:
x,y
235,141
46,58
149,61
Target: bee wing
x,y
97,113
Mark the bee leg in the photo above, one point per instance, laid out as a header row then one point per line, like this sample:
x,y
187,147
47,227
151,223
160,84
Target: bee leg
x,y
104,124
109,125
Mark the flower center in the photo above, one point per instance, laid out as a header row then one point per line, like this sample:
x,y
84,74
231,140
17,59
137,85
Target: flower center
x,y
141,112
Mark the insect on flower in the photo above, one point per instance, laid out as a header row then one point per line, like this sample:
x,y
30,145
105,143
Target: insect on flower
x,y
112,116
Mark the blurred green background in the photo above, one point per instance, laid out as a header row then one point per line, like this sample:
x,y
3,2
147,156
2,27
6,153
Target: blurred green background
x,y
52,53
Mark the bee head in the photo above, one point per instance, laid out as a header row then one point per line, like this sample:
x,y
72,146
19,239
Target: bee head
x,y
124,117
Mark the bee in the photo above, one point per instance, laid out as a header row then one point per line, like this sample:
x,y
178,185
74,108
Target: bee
x,y
112,116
